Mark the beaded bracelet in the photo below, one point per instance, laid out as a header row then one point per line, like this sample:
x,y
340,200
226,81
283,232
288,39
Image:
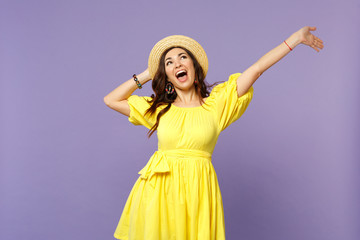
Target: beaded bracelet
x,y
137,81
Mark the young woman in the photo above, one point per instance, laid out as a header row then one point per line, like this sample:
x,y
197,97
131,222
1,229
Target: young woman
x,y
177,195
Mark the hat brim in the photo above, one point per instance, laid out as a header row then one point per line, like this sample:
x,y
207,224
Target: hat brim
x,y
176,41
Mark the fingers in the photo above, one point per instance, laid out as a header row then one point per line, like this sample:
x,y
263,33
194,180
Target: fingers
x,y
315,48
316,44
318,39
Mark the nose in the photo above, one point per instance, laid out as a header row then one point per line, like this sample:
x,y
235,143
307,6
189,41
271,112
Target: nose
x,y
177,63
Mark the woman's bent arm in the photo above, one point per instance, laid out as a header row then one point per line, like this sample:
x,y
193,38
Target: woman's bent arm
x,y
117,99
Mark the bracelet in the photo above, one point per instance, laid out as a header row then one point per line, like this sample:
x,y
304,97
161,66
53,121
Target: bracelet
x,y
137,81
288,46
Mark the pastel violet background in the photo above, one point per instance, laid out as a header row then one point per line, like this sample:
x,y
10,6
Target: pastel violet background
x,y
288,169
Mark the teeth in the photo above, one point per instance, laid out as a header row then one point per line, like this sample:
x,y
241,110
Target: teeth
x,y
177,74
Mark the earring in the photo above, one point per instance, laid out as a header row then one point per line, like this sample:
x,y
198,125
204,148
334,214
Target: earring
x,y
195,81
169,88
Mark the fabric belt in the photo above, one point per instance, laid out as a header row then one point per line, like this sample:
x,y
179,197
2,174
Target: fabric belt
x,y
158,161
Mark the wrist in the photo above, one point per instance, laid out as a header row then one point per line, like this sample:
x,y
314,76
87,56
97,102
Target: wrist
x,y
144,77
293,40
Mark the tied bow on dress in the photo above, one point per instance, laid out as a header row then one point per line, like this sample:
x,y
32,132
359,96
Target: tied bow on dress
x,y
158,163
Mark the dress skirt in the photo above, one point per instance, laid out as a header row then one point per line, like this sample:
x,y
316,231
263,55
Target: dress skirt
x,y
177,197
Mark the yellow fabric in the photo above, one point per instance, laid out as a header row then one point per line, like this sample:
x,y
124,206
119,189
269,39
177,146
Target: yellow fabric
x,y
177,195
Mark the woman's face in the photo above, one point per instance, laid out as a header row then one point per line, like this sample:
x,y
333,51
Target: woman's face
x,y
179,68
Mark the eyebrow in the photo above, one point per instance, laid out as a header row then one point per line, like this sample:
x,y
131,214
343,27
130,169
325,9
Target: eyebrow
x,y
178,55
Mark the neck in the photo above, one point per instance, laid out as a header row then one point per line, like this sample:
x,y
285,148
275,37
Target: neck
x,y
186,97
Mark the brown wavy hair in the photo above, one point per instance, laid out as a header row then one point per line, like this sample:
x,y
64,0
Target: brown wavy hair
x,y
162,98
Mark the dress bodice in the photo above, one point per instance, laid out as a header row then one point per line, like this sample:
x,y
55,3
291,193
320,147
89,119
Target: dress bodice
x,y
195,128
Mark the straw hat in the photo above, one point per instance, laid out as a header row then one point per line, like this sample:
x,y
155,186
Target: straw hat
x,y
176,41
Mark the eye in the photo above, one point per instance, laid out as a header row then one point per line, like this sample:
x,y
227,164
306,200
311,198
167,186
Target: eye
x,y
183,56
167,63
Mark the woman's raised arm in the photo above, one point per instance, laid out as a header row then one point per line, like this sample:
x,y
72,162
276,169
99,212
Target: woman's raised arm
x,y
117,98
250,75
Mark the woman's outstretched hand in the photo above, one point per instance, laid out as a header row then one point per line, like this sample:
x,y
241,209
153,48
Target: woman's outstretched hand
x,y
307,38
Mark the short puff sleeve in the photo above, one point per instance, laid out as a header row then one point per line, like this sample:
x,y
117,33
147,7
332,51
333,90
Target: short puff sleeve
x,y
138,106
228,106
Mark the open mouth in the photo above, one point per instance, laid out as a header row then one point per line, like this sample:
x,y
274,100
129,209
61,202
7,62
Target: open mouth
x,y
181,75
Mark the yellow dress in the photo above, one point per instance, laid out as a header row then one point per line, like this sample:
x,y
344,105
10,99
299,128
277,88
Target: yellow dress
x,y
177,195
